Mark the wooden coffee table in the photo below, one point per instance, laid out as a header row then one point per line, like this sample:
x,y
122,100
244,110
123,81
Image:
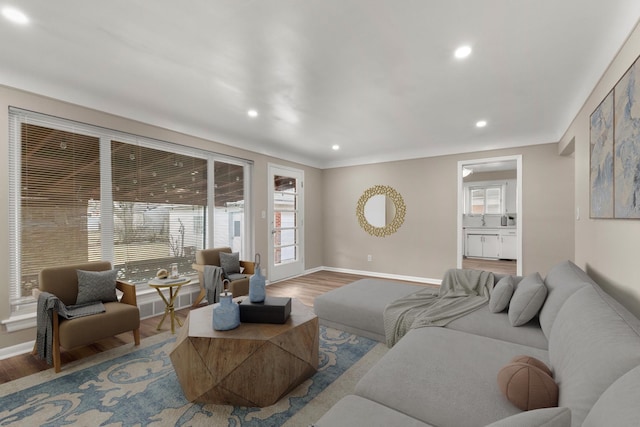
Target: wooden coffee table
x,y
253,365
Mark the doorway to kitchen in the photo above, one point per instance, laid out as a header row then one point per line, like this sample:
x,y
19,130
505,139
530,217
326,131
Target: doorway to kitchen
x,y
489,219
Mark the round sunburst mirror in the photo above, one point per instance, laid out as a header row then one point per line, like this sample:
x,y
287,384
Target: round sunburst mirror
x,y
381,210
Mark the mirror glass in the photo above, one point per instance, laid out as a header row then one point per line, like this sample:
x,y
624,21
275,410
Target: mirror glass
x,y
380,210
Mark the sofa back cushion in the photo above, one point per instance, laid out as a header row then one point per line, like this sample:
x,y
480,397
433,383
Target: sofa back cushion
x,y
593,342
561,282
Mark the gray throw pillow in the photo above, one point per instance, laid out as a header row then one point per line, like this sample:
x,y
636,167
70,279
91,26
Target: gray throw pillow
x,y
527,300
230,263
501,294
94,286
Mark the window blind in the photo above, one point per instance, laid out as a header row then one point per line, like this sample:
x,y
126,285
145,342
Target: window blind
x,y
80,193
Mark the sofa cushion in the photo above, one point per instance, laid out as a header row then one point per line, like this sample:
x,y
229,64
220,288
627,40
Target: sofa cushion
x,y
593,342
94,286
527,300
444,377
359,306
618,405
497,325
562,281
230,263
501,294
527,387
533,362
547,417
353,411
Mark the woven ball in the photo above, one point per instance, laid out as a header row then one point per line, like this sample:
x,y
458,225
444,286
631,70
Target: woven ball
x,y
529,360
527,387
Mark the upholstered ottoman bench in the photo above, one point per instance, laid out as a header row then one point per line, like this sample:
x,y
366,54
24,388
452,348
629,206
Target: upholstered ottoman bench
x,y
358,307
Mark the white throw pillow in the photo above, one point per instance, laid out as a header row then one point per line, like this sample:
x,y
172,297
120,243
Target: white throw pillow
x,y
527,300
501,294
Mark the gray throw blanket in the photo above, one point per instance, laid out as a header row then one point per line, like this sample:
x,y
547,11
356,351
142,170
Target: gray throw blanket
x,y
461,292
47,303
213,277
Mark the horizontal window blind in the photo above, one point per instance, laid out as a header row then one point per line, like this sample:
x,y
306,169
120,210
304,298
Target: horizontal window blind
x,y
80,193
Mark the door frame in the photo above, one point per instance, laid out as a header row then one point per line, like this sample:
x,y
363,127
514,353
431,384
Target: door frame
x,y
298,267
519,195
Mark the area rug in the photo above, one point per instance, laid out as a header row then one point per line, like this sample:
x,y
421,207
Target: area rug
x,y
137,386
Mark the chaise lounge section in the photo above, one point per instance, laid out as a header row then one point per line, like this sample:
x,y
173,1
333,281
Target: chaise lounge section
x,y
447,376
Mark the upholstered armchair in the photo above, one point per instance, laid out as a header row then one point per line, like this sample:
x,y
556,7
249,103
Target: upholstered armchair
x,y
238,283
119,316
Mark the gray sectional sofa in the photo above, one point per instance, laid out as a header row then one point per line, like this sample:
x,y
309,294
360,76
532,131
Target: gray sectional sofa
x,y
447,376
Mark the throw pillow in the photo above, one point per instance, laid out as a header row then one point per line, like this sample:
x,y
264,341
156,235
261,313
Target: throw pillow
x,y
530,360
501,294
527,300
94,286
527,387
230,262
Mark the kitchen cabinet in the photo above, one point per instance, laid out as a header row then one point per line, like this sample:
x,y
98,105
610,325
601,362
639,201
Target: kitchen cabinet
x,y
482,245
496,243
508,244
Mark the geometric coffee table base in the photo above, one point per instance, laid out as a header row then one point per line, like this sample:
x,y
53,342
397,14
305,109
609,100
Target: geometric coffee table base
x,y
252,365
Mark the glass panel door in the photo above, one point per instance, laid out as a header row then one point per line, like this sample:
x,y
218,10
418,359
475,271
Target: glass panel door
x,y
286,213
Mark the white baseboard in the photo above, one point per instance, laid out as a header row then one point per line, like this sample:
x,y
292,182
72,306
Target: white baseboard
x,y
16,350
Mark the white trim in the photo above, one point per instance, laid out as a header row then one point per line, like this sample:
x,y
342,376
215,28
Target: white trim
x,y
16,350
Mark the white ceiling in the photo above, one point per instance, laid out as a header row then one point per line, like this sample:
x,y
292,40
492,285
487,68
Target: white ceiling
x,y
377,77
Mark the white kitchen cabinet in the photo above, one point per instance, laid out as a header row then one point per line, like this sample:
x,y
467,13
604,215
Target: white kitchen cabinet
x,y
508,244
491,243
482,245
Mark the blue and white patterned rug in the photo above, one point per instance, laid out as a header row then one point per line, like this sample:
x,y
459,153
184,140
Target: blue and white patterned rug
x,y
140,388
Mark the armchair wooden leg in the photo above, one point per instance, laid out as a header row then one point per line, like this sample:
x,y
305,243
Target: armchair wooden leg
x,y
200,297
136,336
57,364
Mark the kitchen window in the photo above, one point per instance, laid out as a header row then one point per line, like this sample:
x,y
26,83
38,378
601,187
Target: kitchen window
x,y
485,200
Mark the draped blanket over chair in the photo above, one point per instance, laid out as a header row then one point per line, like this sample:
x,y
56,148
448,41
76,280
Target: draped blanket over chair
x,y
238,282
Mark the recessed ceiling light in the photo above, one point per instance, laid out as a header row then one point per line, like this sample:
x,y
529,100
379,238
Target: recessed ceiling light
x,y
252,113
462,52
481,123
14,15
335,147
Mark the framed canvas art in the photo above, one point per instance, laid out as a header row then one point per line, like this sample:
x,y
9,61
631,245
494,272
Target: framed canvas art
x,y
601,173
614,146
627,144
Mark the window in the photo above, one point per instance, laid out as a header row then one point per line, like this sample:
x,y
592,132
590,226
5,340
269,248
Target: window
x,y
485,200
81,193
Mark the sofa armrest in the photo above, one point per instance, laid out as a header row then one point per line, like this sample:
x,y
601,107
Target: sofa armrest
x,y
249,267
129,292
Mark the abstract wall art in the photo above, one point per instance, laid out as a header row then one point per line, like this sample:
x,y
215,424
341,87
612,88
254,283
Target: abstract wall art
x,y
615,150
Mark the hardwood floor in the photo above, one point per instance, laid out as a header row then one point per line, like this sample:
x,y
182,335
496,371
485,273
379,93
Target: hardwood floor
x,y
305,288
494,265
